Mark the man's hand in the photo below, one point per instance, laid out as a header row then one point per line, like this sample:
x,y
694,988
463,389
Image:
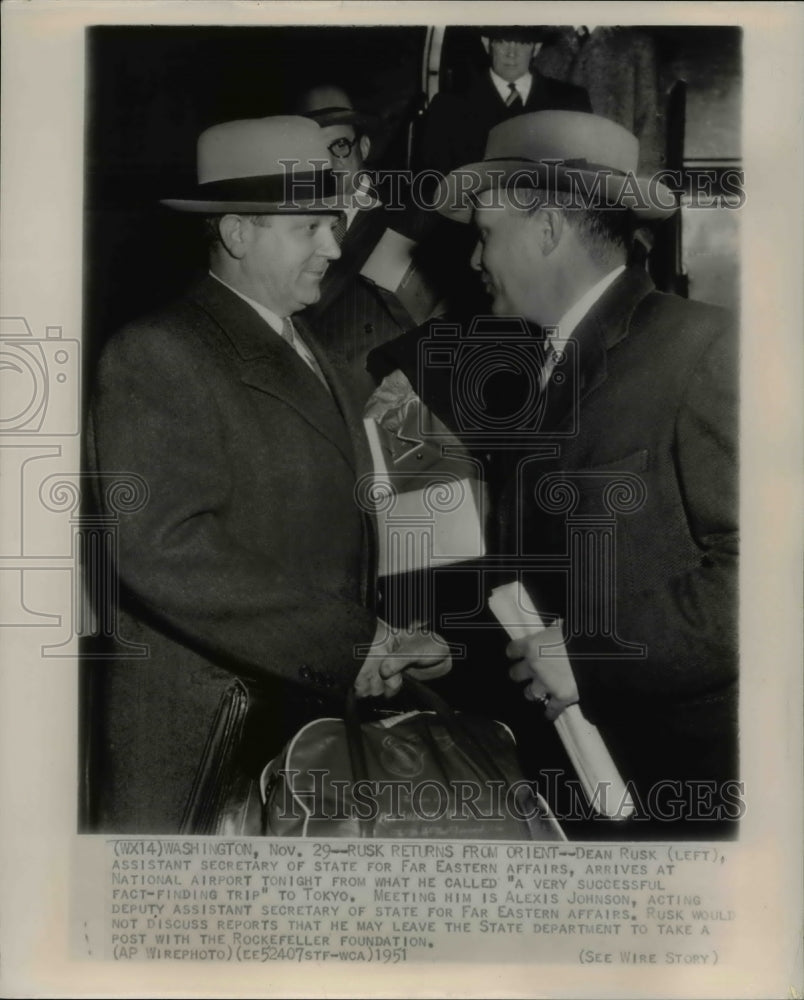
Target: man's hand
x,y
548,672
424,655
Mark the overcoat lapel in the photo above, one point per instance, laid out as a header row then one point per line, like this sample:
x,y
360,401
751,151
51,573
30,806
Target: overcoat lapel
x,y
363,463
270,365
604,326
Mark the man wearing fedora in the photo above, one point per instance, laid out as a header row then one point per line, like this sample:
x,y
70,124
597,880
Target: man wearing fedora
x,y
457,125
251,557
629,493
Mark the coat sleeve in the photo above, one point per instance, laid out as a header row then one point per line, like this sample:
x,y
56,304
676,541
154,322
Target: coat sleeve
x,y
155,413
690,625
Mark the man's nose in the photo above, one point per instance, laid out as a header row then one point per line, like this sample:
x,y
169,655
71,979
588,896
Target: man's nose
x,y
476,260
328,245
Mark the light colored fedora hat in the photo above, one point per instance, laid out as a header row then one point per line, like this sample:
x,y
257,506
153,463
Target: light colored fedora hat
x,y
328,105
594,158
266,166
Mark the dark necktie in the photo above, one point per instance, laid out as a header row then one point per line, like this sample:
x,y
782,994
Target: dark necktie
x,y
514,100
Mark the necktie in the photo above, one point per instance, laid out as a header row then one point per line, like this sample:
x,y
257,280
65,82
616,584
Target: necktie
x,y
514,101
289,334
551,358
339,229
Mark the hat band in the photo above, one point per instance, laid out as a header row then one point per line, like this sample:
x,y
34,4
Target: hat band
x,y
544,165
289,189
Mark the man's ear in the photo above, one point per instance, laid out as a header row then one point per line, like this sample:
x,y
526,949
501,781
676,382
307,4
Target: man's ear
x,y
551,229
365,147
233,232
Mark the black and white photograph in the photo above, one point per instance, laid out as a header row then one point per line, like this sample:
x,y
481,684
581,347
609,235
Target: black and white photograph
x,y
385,397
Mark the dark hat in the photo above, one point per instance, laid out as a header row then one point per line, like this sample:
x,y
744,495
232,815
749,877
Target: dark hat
x,y
329,105
266,166
528,34
559,150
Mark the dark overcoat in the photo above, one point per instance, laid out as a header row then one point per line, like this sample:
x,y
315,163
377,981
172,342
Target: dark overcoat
x,y
251,557
457,125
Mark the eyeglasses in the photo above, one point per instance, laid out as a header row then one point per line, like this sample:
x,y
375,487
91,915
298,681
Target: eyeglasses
x,y
342,147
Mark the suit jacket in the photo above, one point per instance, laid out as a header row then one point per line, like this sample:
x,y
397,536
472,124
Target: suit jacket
x,y
457,125
653,404
250,557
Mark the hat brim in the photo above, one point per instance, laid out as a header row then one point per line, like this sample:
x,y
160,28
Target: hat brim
x,y
291,193
520,33
646,197
327,207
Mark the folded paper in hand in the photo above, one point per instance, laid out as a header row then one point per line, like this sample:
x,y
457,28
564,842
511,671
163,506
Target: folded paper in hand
x,y
601,781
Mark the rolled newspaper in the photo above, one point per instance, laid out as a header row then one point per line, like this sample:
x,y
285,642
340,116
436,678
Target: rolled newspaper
x,y
601,781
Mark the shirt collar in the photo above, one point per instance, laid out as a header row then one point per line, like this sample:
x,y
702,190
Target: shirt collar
x,y
271,318
363,190
573,316
522,84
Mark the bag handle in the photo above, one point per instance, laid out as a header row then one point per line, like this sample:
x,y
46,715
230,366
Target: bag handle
x,y
427,700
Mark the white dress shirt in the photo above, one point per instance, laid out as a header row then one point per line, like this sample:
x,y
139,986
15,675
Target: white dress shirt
x,y
573,316
565,327
522,84
362,201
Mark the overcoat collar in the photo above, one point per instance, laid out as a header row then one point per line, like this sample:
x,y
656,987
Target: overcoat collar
x,y
605,325
269,364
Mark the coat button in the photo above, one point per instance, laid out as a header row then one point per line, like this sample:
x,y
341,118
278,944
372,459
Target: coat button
x,y
305,673
368,328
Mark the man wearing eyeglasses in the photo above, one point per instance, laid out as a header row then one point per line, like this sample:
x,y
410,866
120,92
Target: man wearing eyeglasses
x,y
362,305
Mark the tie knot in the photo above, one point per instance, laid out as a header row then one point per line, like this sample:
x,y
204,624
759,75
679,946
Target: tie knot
x,y
514,98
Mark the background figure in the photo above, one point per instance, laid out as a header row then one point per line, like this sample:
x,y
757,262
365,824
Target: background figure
x,y
251,558
457,125
362,304
454,131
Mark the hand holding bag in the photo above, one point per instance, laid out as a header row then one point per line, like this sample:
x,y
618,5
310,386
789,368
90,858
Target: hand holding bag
x,y
427,773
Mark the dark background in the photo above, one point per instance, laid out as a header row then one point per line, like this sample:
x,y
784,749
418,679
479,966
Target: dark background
x,y
152,90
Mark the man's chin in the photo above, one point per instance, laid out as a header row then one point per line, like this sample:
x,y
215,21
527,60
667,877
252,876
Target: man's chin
x,y
311,293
